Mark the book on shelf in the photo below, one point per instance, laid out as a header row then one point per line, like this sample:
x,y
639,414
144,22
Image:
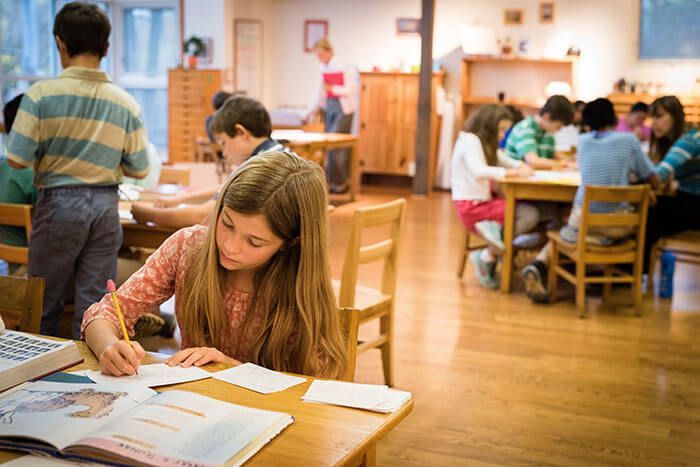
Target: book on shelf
x,y
131,424
25,357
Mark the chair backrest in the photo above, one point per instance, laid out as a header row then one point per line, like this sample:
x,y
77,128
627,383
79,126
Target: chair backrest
x,y
390,214
175,176
21,302
205,150
17,215
633,195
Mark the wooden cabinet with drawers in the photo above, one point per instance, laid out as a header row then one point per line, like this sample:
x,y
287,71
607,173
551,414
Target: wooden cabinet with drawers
x,y
189,103
388,120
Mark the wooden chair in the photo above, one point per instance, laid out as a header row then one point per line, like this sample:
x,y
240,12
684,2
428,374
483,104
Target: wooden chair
x,y
372,303
175,176
350,321
205,150
21,303
629,251
471,242
686,247
17,215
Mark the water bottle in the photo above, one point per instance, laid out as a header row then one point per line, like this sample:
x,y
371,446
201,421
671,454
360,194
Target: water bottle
x,y
668,265
4,268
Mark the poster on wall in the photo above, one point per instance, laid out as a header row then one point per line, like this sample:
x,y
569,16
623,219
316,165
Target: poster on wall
x,y
248,56
314,29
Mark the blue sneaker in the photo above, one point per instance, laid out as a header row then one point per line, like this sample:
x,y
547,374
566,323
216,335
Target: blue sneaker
x,y
492,232
484,271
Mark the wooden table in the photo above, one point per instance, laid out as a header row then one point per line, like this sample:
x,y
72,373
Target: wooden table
x,y
307,143
320,435
146,235
563,189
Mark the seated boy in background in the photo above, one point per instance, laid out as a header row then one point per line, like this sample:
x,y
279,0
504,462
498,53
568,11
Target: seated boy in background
x,y
242,128
532,140
16,185
634,122
608,158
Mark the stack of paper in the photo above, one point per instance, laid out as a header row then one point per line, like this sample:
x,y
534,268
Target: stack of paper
x,y
158,374
257,378
372,397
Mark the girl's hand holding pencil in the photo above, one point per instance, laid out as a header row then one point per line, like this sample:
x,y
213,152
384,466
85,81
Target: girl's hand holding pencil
x,y
121,358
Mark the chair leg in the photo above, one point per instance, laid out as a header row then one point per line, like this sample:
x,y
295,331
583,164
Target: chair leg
x,y
607,286
581,289
552,271
387,349
465,253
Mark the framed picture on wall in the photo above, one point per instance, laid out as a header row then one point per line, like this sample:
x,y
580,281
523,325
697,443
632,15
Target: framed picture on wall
x,y
546,12
314,29
408,26
513,16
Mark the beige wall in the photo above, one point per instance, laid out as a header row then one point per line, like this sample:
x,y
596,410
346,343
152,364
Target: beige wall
x,y
363,33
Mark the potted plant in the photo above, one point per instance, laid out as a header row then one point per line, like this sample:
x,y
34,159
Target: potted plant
x,y
194,47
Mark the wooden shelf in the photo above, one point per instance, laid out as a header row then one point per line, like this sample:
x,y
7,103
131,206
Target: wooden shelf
x,y
517,59
691,104
478,100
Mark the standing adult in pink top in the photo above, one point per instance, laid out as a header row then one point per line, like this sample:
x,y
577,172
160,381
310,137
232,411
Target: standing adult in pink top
x,y
337,96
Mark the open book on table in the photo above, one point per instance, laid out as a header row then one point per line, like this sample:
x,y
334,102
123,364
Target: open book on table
x,y
132,425
25,356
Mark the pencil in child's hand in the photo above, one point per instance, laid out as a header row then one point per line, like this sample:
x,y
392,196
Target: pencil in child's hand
x,y
113,290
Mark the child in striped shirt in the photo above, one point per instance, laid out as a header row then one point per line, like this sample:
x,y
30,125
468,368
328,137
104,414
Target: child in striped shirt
x,y
606,157
82,134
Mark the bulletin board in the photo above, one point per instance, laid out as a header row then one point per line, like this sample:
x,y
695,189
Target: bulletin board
x,y
248,56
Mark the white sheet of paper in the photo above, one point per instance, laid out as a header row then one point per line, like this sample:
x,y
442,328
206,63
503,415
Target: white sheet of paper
x,y
556,176
360,396
376,398
257,378
157,374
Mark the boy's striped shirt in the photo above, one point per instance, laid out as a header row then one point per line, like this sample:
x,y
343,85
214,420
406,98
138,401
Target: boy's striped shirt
x,y
526,137
682,162
79,129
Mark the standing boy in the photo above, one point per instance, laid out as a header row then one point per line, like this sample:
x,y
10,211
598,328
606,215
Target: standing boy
x,y
532,139
81,133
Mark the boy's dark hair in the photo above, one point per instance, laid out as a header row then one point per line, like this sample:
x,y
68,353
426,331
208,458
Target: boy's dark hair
x,y
599,114
9,112
244,111
83,28
640,107
559,109
579,104
219,98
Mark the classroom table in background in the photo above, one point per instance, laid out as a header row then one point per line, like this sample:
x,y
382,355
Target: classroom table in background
x,y
145,235
543,186
307,144
321,434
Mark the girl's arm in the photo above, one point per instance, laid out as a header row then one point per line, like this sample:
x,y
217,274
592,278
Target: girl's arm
x,y
191,197
175,218
475,160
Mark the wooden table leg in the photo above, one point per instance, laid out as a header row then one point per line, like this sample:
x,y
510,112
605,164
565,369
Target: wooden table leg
x,y
369,459
355,177
508,234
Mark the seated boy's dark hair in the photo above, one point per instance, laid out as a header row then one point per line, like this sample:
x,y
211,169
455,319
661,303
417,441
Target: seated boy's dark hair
x,y
219,98
559,109
244,111
83,28
640,107
9,112
579,104
599,114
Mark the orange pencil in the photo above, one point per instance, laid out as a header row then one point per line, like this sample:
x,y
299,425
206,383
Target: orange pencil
x,y
113,290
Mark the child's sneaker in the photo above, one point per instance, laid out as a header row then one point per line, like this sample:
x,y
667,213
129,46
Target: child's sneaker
x,y
492,232
483,270
534,275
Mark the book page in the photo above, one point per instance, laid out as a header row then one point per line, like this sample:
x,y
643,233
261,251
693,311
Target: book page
x,y
17,348
178,426
60,413
157,374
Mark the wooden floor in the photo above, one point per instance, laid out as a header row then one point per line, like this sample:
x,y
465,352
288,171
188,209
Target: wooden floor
x,y
499,381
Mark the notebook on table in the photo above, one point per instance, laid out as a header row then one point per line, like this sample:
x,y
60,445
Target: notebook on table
x,y
24,357
128,424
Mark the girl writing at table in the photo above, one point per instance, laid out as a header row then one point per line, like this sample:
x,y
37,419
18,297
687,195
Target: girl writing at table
x,y
253,286
476,165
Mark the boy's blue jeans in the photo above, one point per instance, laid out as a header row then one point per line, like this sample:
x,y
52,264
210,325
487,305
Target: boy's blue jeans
x,y
75,234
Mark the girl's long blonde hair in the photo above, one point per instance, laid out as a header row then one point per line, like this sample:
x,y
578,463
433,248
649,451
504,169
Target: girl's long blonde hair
x,y
301,331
